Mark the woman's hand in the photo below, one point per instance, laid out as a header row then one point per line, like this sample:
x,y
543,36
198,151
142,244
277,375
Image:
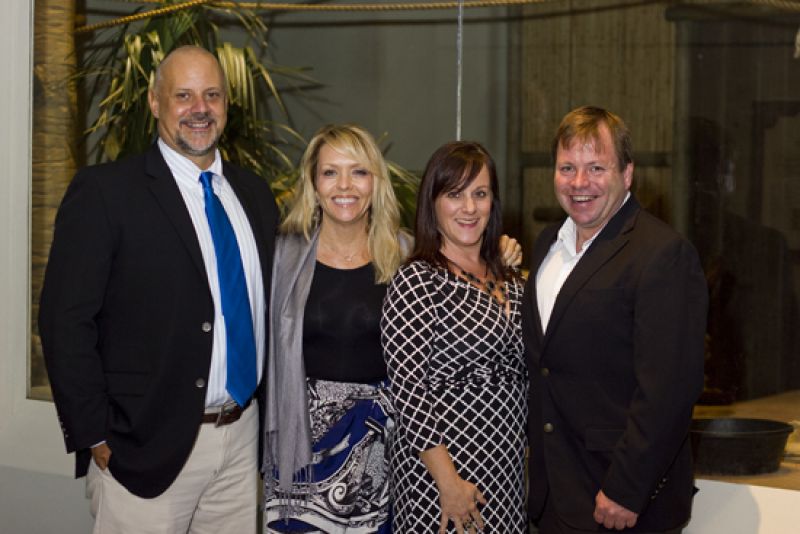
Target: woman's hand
x,y
510,251
458,498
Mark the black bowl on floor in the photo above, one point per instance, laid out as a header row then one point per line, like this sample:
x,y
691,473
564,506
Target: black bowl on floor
x,y
736,446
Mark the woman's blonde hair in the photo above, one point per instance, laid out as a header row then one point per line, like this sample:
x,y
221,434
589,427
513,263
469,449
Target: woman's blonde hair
x,y
305,214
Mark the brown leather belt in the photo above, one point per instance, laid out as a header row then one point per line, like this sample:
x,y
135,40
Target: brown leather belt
x,y
226,414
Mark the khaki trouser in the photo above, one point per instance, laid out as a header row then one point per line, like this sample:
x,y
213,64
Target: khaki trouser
x,y
215,492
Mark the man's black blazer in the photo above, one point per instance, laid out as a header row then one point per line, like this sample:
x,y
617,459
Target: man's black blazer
x,y
615,376
126,316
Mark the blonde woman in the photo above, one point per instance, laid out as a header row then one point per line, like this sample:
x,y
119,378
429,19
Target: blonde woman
x,y
328,417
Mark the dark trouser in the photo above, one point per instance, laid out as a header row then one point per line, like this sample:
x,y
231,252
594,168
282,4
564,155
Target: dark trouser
x,y
550,523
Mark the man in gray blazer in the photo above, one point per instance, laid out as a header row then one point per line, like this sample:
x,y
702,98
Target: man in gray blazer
x,y
614,319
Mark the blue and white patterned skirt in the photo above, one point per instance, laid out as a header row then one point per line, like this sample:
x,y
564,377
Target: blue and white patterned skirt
x,y
348,490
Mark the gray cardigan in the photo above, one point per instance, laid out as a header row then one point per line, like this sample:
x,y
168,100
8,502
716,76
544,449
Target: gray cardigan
x,y
287,405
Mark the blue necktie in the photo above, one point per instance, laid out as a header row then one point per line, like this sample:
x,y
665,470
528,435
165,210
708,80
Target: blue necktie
x,y
240,341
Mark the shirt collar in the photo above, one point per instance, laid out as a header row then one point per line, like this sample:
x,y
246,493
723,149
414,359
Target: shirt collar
x,y
567,234
184,169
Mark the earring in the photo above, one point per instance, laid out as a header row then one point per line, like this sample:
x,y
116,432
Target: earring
x,y
317,213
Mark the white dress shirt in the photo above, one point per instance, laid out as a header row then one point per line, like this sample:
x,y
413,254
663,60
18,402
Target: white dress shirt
x,y
559,263
187,176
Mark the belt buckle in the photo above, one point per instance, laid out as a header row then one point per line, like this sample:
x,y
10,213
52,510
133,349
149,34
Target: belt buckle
x,y
224,411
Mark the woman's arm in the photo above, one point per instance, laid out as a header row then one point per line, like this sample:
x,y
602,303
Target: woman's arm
x,y
458,498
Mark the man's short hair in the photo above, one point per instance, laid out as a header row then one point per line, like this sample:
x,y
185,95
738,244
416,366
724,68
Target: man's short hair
x,y
584,125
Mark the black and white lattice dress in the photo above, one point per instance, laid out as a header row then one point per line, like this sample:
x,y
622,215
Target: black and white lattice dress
x,y
457,374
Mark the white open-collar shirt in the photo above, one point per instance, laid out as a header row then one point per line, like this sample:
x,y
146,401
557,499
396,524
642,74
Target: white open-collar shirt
x,y
559,263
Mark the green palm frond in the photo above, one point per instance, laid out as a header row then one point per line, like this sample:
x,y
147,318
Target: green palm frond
x,y
119,69
405,185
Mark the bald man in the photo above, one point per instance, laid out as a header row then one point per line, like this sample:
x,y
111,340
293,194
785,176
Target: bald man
x,y
134,336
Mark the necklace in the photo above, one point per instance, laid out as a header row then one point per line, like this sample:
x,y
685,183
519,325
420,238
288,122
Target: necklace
x,y
348,258
496,290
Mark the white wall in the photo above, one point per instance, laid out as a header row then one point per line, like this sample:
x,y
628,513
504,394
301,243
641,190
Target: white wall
x,y
37,492
725,508
395,73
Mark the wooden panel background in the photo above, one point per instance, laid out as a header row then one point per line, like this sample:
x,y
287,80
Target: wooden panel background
x,y
617,54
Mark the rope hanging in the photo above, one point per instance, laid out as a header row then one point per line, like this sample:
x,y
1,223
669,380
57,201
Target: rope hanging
x,y
274,6
787,5
459,66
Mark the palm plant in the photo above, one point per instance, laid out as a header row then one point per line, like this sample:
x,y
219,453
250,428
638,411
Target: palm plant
x,y
405,185
120,65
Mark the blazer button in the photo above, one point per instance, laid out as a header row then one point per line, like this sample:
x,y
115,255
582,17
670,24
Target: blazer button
x,y
545,371
206,326
548,428
200,383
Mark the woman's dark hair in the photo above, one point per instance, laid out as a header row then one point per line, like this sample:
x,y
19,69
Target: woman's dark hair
x,y
453,167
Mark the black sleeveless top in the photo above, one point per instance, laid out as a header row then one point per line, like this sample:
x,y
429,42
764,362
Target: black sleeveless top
x,y
341,326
